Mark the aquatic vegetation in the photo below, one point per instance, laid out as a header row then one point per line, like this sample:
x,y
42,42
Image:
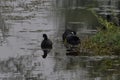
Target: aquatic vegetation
x,y
106,41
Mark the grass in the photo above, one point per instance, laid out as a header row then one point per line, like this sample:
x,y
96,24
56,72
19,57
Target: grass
x,y
106,41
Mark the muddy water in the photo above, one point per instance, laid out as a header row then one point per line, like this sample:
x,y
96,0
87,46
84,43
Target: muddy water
x,y
20,52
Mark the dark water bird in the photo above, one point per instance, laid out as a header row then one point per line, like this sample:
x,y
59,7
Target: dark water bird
x,y
71,38
46,45
68,32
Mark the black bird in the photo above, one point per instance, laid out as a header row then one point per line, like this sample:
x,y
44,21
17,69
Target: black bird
x,y
46,45
67,32
70,37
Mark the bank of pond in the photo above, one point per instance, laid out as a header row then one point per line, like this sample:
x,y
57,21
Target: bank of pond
x,y
105,42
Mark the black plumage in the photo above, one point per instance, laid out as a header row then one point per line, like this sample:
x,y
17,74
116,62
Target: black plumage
x,y
46,45
73,40
67,33
70,37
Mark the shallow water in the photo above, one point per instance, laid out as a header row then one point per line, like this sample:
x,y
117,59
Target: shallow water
x,y
26,21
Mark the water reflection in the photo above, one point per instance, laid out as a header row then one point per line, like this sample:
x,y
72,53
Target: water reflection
x,y
105,69
28,20
67,68
3,30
